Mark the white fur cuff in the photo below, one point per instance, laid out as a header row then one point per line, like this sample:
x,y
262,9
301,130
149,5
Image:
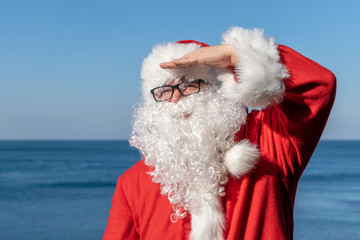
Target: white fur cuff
x,y
259,71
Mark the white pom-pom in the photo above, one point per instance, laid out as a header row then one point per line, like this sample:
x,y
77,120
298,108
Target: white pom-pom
x,y
241,158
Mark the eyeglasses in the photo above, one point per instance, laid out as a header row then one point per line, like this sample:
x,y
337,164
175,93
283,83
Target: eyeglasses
x,y
186,88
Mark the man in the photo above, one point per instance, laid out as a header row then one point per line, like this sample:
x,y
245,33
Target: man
x,y
210,169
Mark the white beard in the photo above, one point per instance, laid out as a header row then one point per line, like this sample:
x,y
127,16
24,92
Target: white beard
x,y
186,143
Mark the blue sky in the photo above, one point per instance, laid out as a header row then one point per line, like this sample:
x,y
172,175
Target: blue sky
x,y
70,69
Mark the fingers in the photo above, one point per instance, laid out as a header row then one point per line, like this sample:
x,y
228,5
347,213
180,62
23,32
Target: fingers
x,y
178,63
220,56
167,65
189,59
185,61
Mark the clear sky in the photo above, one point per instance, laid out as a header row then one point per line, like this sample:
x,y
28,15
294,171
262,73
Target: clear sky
x,y
70,69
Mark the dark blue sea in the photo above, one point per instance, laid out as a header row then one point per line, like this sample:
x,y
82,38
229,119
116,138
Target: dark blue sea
x,y
63,189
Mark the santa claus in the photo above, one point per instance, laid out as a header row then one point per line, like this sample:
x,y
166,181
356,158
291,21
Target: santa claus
x,y
211,170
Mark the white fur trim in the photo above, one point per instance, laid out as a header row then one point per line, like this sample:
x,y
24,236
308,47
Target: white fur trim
x,y
209,224
153,75
241,158
259,70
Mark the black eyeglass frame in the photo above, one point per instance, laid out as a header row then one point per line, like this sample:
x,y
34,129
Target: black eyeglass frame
x,y
173,87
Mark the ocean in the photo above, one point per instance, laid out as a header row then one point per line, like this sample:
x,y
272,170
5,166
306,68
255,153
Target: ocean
x,y
63,189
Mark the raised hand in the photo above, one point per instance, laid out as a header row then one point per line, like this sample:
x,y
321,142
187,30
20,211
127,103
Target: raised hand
x,y
220,56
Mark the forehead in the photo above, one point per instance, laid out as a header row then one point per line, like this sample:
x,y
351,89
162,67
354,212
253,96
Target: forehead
x,y
174,81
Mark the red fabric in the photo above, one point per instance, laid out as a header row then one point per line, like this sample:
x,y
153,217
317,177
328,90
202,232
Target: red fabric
x,y
260,205
193,41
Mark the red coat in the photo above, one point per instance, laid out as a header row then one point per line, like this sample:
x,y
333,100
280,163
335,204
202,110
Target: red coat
x,y
260,205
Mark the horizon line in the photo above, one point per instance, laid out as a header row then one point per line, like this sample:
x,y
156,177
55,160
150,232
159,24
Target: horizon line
x,y
119,139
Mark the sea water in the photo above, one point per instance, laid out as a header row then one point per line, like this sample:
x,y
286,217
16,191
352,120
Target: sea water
x,y
63,189
327,204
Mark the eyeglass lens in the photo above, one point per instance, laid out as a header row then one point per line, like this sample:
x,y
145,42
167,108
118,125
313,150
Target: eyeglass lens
x,y
186,88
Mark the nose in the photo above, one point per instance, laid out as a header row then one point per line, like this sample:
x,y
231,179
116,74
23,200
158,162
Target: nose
x,y
176,96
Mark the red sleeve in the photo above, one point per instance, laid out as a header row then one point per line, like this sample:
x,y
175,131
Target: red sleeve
x,y
120,223
290,131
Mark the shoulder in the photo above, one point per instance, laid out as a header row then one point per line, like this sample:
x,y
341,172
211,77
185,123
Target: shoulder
x,y
250,130
139,171
137,182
